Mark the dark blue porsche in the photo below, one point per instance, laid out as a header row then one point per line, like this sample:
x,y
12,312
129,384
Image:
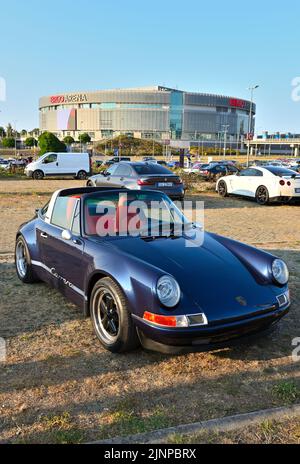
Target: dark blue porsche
x,y
150,287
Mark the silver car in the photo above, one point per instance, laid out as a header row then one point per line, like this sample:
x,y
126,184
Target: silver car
x,y
140,176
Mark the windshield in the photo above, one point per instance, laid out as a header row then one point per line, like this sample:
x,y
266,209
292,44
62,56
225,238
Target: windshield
x,y
134,213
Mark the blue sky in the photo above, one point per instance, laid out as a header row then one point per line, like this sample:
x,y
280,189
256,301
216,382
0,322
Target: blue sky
x,y
49,47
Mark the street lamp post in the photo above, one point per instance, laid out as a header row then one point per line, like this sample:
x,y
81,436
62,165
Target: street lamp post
x,y
254,87
226,126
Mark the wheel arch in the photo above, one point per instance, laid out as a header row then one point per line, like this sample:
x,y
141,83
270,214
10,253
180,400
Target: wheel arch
x,y
97,275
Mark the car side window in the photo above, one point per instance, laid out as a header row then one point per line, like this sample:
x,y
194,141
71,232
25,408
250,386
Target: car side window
x,y
110,171
248,172
63,210
50,159
76,220
257,173
123,170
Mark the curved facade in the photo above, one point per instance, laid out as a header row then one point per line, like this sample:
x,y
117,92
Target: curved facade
x,y
150,112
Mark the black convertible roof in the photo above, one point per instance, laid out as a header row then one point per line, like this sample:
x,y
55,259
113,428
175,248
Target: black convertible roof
x,y
83,190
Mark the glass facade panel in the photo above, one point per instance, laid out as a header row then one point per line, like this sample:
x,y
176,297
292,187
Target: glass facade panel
x,y
176,114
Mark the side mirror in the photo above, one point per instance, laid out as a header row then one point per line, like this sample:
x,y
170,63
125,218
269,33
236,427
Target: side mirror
x,y
104,173
66,235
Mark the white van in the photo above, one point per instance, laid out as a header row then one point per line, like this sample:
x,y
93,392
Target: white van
x,y
60,164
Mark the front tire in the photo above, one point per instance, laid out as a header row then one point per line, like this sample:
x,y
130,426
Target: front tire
x,y
90,184
82,175
111,318
222,189
262,195
23,262
38,175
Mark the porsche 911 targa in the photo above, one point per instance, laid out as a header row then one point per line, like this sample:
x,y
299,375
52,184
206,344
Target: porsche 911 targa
x,y
151,287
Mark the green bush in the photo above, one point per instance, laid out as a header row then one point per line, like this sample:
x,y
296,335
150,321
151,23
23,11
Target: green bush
x,y
68,140
31,142
84,138
49,142
8,142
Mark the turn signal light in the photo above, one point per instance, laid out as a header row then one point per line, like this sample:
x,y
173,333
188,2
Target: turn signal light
x,y
168,321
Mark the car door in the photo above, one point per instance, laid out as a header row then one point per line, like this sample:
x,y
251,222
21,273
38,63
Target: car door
x,y
124,176
50,164
242,184
62,255
107,178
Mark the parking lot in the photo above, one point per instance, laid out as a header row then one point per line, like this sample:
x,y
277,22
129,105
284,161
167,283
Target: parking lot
x,y
59,385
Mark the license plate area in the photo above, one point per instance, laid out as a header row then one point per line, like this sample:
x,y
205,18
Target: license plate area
x,y
165,184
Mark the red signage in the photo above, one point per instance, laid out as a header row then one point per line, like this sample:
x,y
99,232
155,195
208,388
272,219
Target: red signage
x,y
57,99
236,103
68,99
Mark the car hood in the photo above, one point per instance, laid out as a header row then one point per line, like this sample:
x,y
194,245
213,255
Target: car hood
x,y
211,276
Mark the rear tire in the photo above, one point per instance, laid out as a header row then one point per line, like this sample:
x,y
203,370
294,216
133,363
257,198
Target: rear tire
x,y
111,318
82,175
38,175
23,262
222,189
262,195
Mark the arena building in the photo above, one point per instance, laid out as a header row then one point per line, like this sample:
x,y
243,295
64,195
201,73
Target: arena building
x,y
149,112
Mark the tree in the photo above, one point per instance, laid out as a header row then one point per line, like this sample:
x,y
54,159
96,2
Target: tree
x,y
49,142
68,140
2,132
31,142
9,130
84,138
23,132
8,142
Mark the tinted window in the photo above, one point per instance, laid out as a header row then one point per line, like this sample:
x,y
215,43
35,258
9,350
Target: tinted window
x,y
280,171
62,215
151,169
50,159
248,172
123,170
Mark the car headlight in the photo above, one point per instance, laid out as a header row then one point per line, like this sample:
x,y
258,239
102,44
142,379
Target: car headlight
x,y
280,271
168,291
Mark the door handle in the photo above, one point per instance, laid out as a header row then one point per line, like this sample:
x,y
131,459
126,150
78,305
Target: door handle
x,y
121,178
44,235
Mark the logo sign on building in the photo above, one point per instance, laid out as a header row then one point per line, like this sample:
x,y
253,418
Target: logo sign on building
x,y
68,99
236,103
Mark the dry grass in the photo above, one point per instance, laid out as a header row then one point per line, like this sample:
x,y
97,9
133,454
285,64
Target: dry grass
x,y
58,384
286,431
